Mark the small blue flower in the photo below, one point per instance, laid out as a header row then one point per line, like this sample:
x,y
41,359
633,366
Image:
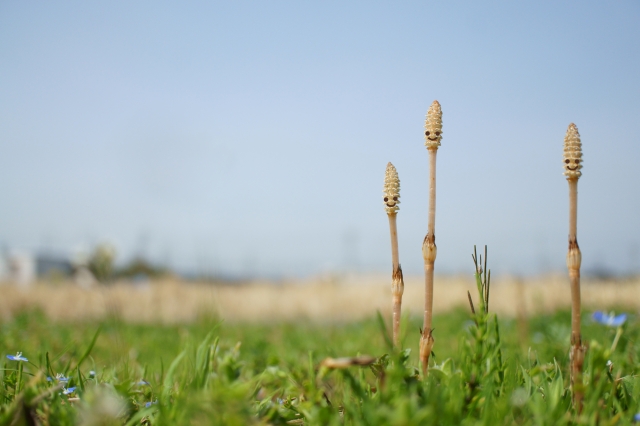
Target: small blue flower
x,y
150,403
636,418
66,391
49,379
61,378
143,382
609,319
17,357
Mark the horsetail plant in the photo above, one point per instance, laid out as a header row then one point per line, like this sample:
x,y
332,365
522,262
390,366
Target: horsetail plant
x,y
433,135
572,167
391,201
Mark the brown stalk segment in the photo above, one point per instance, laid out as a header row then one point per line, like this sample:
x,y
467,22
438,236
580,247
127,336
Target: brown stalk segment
x,y
572,166
433,136
426,345
473,311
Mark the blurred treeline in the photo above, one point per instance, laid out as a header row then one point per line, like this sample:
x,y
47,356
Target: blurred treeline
x,y
101,264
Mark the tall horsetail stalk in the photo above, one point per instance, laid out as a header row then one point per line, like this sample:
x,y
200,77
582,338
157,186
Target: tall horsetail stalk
x,y
572,167
391,200
433,135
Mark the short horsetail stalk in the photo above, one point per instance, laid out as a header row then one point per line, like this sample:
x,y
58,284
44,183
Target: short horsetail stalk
x,y
572,166
433,135
391,201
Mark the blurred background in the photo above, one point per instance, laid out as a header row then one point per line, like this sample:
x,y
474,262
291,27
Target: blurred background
x,y
237,141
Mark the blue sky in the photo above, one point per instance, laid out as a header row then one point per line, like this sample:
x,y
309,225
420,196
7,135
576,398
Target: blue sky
x,y
252,137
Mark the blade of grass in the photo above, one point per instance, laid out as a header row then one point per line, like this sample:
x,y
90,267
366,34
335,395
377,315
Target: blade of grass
x,y
48,366
80,379
90,347
383,330
168,380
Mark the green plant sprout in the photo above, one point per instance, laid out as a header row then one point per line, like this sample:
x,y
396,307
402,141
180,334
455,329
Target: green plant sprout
x,y
483,367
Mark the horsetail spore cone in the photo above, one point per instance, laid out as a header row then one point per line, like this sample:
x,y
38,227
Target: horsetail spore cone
x,y
391,190
572,153
433,136
433,127
572,166
391,199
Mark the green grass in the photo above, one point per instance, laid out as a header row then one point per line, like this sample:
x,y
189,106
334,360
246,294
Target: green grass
x,y
211,372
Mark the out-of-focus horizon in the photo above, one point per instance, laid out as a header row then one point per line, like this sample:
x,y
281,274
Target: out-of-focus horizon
x,y
251,140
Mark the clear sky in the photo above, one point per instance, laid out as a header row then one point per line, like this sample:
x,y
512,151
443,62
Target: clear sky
x,y
252,137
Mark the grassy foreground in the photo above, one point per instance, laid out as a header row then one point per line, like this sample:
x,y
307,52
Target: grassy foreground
x,y
211,372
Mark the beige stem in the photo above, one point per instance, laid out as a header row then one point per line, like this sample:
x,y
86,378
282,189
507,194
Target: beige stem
x,y
574,260
397,281
573,208
426,338
432,191
394,240
397,311
428,295
574,277
578,350
429,252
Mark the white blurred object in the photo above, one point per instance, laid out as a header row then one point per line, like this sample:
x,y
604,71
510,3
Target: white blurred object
x,y
4,268
84,278
22,268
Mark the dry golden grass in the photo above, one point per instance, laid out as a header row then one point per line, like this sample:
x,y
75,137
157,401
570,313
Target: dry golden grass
x,y
333,298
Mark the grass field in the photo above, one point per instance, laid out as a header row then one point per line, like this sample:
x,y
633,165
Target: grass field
x,y
204,369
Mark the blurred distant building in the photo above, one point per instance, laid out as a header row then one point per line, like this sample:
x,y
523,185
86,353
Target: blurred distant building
x,y
48,265
23,268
